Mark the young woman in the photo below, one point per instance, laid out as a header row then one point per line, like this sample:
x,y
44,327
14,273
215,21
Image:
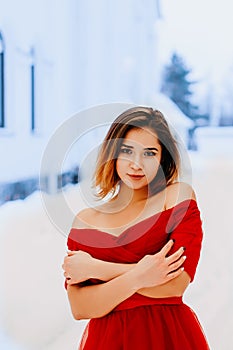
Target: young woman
x,y
131,258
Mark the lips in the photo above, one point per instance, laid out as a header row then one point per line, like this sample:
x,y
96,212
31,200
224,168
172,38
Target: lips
x,y
135,177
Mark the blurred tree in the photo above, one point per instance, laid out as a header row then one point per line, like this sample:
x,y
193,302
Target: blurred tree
x,y
177,86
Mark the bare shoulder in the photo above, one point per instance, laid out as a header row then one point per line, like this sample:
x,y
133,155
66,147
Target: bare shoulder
x,y
178,192
84,218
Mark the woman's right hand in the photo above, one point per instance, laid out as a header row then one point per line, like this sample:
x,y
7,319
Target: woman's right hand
x,y
157,269
77,266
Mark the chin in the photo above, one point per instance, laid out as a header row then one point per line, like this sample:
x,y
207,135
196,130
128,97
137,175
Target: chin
x,y
134,186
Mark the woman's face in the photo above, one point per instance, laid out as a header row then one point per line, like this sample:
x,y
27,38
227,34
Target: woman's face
x,y
139,158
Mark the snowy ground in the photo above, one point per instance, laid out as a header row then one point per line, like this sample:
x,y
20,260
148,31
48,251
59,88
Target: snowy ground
x,y
34,309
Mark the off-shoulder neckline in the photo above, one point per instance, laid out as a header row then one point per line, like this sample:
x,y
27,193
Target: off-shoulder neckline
x,y
190,200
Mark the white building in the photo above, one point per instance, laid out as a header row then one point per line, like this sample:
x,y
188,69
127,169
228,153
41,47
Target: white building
x,y
60,57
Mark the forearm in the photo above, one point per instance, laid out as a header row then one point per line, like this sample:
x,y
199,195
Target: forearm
x,y
106,271
98,300
175,287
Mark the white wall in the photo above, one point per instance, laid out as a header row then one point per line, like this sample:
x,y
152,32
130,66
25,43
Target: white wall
x,y
116,51
25,24
87,52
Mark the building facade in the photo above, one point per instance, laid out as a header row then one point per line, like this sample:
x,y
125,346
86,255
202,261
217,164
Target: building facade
x,y
60,57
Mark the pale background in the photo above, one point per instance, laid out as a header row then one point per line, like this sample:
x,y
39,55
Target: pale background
x,y
84,58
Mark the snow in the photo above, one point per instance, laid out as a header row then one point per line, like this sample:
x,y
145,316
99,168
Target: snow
x,y
34,309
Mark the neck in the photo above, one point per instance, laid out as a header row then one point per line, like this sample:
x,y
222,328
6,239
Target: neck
x,y
128,196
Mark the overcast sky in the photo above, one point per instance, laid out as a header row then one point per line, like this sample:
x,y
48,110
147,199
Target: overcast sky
x,y
200,31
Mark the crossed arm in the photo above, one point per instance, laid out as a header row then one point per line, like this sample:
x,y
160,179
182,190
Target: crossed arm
x,y
155,276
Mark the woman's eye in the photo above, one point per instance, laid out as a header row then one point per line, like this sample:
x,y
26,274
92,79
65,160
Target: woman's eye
x,y
126,150
150,153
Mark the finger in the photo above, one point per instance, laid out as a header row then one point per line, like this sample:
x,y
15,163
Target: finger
x,y
69,281
65,266
174,274
177,264
167,247
66,262
70,252
175,256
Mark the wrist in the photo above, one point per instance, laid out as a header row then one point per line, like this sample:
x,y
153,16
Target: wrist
x,y
95,268
134,279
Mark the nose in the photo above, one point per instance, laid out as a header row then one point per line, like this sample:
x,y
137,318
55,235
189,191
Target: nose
x,y
136,163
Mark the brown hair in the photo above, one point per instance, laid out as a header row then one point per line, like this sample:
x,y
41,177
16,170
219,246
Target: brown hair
x,y
106,177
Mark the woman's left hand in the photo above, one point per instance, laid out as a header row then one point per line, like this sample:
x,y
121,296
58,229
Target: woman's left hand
x,y
77,266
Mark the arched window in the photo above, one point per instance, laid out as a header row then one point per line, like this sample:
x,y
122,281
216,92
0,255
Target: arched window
x,y
2,107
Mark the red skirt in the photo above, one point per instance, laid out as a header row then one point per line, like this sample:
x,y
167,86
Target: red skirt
x,y
142,323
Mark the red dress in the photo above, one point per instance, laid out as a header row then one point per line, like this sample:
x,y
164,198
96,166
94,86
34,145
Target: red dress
x,y
142,322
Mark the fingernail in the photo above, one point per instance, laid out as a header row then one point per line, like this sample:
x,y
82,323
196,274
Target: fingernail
x,y
173,240
184,248
184,257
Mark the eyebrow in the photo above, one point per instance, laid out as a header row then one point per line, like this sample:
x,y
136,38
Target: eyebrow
x,y
147,148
